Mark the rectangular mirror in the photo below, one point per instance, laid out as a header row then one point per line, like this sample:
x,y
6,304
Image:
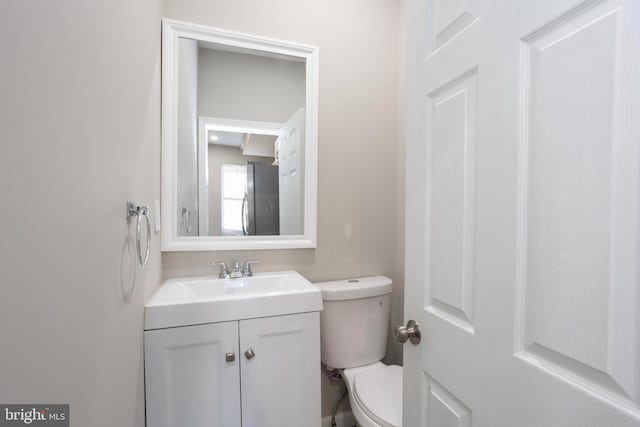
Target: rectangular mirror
x,y
239,140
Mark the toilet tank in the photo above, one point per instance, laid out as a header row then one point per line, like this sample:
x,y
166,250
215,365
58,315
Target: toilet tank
x,y
355,321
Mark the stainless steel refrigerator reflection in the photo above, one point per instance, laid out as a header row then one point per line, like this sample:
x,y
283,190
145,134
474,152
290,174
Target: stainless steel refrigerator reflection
x,y
260,210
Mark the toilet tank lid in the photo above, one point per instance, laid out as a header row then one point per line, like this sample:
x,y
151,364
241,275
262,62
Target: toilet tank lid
x,y
361,287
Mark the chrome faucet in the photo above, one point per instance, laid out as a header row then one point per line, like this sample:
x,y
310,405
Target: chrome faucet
x,y
236,271
246,270
224,271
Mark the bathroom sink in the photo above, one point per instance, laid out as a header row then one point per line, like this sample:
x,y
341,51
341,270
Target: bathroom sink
x,y
198,300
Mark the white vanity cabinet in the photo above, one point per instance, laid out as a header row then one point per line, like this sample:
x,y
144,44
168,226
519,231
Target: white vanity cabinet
x,y
281,384
262,372
188,381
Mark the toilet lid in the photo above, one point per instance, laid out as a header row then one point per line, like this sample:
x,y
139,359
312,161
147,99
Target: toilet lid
x,y
379,394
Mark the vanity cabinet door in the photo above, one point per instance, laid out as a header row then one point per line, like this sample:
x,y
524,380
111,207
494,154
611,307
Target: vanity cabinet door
x,y
190,380
281,371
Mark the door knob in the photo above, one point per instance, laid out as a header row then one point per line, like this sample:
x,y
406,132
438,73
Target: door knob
x,y
230,357
410,332
249,354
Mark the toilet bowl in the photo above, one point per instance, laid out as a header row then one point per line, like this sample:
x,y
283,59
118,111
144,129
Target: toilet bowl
x,y
353,331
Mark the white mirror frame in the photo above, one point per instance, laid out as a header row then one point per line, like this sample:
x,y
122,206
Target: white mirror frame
x,y
170,241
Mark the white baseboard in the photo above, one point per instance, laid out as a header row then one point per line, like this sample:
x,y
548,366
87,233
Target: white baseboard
x,y
343,419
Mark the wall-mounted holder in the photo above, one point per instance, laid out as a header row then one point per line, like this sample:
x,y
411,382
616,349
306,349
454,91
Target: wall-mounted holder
x,y
141,211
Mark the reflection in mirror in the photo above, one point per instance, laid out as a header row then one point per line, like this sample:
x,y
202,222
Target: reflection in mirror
x,y
239,141
242,186
250,177
232,92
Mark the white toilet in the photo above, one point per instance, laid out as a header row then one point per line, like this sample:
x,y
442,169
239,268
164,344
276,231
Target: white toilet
x,y
353,331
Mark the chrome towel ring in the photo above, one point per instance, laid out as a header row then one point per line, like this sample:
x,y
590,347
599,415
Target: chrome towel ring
x,y
141,211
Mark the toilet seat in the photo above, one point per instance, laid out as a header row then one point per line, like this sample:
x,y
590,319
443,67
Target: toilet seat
x,y
376,392
379,394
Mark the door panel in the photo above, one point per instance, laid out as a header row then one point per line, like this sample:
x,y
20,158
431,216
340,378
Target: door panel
x,y
443,409
291,175
449,18
523,170
451,118
578,255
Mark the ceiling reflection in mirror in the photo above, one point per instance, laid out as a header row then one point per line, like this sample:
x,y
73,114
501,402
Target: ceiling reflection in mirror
x,y
240,141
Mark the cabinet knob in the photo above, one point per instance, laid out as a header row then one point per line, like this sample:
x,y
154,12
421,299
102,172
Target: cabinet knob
x,y
249,354
230,357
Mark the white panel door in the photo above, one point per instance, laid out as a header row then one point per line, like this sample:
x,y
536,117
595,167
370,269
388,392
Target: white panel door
x,y
522,256
189,381
281,381
291,175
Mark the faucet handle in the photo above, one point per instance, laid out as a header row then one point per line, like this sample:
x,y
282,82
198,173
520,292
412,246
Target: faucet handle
x,y
246,270
224,271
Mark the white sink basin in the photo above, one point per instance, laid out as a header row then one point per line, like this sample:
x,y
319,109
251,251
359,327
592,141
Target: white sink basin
x,y
192,301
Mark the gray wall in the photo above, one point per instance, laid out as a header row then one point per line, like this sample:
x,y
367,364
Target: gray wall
x,y
360,220
187,136
248,87
80,132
